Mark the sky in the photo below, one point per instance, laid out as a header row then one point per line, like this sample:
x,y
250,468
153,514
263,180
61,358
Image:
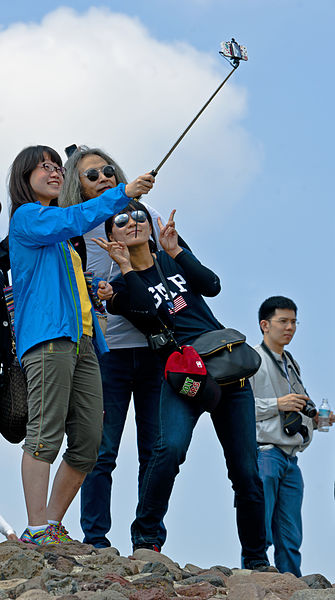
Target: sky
x,y
251,182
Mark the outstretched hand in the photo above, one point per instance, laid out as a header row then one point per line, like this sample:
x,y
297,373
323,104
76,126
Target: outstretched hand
x,y
168,237
140,185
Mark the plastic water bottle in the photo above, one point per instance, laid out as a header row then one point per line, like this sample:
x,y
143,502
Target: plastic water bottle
x,y
324,412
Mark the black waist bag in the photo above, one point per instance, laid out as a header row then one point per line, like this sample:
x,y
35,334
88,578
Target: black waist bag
x,y
227,356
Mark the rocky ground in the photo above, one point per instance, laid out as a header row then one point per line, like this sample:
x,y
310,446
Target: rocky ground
x,y
79,571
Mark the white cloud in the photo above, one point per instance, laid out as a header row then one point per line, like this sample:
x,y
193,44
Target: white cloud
x,y
99,78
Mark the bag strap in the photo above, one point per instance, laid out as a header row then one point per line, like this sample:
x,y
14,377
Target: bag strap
x,y
7,297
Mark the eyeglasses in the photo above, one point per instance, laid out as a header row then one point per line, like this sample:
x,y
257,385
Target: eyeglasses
x,y
138,216
284,322
93,174
49,168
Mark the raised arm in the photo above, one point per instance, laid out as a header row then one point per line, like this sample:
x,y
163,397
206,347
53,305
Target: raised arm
x,y
202,280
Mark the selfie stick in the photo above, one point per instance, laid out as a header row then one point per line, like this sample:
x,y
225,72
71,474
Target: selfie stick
x,y
155,171
233,52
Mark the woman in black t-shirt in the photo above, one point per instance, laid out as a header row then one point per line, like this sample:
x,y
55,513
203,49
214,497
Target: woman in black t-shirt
x,y
140,295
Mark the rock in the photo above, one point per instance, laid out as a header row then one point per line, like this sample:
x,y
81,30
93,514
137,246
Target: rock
x,y
22,563
60,562
26,584
153,594
152,556
110,550
115,581
59,587
75,549
10,587
78,571
109,561
328,594
34,595
246,591
99,595
201,591
213,579
193,569
283,585
156,567
316,581
224,570
9,549
153,580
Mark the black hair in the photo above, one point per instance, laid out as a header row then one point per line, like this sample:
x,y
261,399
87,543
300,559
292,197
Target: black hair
x,y
269,306
131,206
20,190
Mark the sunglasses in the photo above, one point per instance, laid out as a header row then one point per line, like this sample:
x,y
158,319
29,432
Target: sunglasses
x,y
93,174
138,216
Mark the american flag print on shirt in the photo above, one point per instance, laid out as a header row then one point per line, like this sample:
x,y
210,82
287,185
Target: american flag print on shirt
x,y
179,304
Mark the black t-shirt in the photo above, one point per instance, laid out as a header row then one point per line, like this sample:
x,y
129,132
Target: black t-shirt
x,y
140,296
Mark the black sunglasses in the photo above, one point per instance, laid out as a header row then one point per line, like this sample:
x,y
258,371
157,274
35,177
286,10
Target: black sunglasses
x,y
138,216
93,174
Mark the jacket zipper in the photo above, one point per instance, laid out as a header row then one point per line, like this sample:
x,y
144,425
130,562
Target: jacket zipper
x,y
73,296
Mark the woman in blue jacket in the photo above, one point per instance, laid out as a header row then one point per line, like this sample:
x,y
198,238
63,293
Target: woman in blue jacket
x,y
54,325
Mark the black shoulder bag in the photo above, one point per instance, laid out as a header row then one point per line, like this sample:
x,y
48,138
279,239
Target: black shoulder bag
x,y
225,353
13,385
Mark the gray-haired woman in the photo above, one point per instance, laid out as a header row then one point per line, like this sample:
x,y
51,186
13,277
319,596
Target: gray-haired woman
x,y
129,368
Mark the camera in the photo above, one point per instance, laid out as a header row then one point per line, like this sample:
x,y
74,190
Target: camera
x,y
293,424
310,409
161,341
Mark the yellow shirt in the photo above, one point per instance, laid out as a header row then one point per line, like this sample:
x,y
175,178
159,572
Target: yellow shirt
x,y
85,302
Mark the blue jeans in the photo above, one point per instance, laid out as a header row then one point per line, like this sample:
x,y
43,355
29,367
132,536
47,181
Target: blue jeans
x,y
123,371
283,490
234,423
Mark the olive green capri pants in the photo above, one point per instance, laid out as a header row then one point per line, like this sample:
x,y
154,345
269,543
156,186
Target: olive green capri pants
x,y
64,396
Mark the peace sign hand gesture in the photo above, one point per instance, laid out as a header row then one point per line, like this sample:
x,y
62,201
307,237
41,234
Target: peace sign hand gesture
x,y
168,237
118,251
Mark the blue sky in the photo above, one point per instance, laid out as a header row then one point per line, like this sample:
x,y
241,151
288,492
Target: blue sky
x,y
252,184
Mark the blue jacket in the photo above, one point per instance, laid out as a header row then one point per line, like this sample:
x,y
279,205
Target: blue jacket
x,y
46,298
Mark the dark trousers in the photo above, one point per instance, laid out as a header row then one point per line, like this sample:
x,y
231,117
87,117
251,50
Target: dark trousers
x,y
234,423
124,372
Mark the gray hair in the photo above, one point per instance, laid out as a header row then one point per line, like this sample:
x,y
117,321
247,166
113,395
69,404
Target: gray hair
x,y
71,191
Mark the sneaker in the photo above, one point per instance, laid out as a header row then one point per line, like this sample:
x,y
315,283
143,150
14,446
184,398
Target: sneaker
x,y
61,533
261,567
43,537
153,547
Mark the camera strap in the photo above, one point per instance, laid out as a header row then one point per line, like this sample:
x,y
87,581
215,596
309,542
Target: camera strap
x,y
167,289
280,369
170,303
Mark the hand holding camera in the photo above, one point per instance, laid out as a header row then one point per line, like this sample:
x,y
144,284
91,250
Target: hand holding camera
x,y
292,402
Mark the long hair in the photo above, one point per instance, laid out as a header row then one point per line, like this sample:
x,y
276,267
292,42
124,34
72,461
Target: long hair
x,y
71,191
20,190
